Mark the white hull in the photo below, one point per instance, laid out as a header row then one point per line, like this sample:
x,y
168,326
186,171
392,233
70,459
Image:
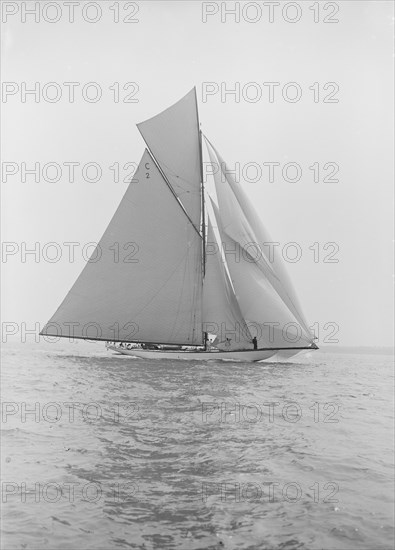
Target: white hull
x,y
286,354
245,356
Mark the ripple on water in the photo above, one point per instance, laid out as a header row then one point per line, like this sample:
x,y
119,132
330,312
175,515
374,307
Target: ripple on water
x,y
171,462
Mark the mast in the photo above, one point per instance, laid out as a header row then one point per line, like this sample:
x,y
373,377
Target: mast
x,y
203,210
202,191
203,207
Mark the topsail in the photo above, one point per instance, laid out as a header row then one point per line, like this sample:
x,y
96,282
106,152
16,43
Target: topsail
x,y
173,138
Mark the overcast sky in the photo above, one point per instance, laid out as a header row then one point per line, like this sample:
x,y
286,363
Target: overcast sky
x,y
166,52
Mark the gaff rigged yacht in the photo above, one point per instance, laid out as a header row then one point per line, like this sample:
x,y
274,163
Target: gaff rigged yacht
x,y
181,269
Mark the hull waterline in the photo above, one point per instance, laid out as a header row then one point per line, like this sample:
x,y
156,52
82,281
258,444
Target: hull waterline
x,y
245,356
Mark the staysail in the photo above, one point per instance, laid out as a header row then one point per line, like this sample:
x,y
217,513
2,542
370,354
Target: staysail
x,y
144,281
262,296
221,311
272,267
173,138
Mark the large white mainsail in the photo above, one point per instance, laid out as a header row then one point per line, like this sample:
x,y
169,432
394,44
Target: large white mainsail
x,y
173,138
263,299
151,295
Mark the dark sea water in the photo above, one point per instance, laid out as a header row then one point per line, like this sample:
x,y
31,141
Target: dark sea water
x,y
195,455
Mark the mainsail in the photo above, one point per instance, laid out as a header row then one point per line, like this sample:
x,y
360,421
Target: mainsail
x,y
151,292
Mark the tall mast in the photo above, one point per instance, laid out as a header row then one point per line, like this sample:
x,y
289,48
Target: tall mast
x,y
202,192
203,209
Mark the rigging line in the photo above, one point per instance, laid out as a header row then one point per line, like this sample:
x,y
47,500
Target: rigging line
x,y
200,134
171,188
177,176
203,204
198,295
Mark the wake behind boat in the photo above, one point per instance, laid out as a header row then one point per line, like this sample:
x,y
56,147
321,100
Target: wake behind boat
x,y
196,275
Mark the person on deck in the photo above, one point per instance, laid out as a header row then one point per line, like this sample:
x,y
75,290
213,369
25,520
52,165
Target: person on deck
x,y
255,342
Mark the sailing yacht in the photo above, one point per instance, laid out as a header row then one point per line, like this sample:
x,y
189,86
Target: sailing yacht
x,y
194,281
